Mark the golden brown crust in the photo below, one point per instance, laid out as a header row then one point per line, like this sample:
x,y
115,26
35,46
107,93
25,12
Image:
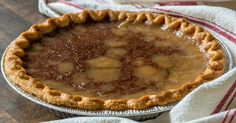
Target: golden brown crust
x,y
15,71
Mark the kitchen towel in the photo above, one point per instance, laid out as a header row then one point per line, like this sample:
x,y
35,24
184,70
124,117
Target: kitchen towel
x,y
211,102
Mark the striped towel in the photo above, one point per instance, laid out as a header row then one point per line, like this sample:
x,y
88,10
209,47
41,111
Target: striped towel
x,y
211,102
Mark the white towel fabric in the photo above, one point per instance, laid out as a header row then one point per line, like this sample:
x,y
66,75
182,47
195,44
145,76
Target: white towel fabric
x,y
211,102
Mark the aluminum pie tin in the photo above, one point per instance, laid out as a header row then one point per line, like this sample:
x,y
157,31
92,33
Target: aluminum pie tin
x,y
65,112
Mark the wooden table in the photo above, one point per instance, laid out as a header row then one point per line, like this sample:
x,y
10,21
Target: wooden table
x,y
15,17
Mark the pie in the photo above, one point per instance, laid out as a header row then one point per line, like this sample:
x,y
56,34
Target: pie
x,y
113,60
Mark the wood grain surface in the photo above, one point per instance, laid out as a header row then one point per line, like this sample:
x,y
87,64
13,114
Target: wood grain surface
x,y
17,16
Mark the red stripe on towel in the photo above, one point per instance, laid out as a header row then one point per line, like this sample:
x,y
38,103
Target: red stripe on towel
x,y
98,1
230,101
226,116
135,5
233,116
141,5
71,4
176,3
224,99
104,1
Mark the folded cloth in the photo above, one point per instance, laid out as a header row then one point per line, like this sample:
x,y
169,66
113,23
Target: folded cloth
x,y
211,102
163,1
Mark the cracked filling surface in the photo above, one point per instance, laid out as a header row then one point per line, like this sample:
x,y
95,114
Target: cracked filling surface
x,y
109,61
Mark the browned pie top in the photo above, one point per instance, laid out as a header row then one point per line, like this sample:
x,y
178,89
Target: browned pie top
x,y
113,60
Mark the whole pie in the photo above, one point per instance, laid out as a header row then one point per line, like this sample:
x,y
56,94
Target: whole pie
x,y
113,60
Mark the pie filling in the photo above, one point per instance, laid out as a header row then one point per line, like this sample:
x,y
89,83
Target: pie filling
x,y
114,60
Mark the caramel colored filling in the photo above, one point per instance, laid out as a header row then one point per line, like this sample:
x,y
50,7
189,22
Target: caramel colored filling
x,y
110,61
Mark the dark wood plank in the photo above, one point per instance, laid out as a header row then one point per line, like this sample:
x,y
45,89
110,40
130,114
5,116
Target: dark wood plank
x,y
6,118
30,112
17,16
27,9
10,25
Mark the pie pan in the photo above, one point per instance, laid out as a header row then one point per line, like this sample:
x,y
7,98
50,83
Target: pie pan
x,y
65,112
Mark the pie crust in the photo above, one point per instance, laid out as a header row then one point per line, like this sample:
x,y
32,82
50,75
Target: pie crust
x,y
13,64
